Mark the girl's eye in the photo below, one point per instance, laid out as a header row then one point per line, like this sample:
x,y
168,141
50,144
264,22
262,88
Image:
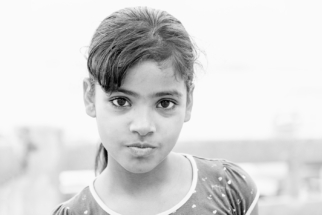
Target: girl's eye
x,y
120,102
166,104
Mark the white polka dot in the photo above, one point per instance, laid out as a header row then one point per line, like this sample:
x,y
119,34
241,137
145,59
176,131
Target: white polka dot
x,y
225,168
193,206
214,212
223,195
220,178
229,182
85,212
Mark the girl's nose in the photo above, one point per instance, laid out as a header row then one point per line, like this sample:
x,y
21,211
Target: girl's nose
x,y
142,123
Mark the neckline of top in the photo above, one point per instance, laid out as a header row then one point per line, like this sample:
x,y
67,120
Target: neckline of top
x,y
169,211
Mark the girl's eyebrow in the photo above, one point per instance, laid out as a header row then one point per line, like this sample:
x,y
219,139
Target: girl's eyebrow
x,y
168,93
127,92
173,93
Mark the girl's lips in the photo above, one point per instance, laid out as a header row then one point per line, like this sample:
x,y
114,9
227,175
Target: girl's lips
x,y
140,151
141,145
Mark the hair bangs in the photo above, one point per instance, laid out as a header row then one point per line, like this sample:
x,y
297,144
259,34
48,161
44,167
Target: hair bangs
x,y
134,35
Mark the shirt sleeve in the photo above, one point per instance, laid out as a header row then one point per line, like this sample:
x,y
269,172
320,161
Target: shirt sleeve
x,y
241,190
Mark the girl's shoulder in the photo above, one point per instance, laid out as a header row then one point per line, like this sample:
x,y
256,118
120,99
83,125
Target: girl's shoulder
x,y
227,181
81,203
221,167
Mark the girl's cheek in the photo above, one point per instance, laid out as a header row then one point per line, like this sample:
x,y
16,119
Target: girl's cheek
x,y
167,114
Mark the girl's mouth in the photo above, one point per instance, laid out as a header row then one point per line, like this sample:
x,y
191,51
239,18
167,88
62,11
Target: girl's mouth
x,y
141,145
140,150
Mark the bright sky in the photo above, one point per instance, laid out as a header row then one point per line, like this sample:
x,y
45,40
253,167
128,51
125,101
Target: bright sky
x,y
263,59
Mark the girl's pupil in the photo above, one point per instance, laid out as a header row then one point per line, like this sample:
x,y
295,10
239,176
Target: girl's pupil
x,y
165,103
121,102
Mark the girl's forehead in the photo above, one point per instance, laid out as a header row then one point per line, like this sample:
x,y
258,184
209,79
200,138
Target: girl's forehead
x,y
150,75
150,71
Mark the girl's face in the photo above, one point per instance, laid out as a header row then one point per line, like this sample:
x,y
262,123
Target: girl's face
x,y
140,123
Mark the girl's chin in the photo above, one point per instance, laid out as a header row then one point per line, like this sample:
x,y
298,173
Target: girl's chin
x,y
141,168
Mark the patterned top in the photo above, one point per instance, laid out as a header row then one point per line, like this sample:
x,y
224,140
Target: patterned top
x,y
218,187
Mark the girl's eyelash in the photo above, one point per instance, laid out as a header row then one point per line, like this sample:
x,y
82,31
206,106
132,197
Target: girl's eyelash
x,y
112,100
174,103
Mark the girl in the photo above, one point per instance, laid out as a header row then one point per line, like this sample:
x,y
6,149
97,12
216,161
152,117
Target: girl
x,y
140,90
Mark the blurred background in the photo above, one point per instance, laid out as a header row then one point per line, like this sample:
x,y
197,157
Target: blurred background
x,y
258,97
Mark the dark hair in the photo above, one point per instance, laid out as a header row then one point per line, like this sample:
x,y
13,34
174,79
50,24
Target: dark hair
x,y
133,35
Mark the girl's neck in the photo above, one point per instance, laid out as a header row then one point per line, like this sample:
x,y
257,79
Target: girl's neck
x,y
156,191
116,179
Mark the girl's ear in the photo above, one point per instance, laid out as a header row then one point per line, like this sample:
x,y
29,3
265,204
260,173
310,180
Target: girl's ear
x,y
189,103
89,97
